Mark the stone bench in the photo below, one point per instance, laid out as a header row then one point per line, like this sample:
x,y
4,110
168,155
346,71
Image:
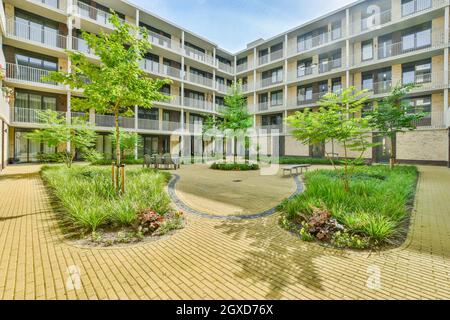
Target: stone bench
x,y
295,167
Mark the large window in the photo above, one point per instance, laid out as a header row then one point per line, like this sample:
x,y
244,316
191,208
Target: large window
x,y
304,68
304,94
421,104
417,72
336,85
36,28
336,30
272,76
417,37
276,98
312,39
384,46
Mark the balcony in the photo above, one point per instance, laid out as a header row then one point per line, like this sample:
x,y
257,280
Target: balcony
x,y
242,67
171,126
163,41
264,83
317,41
428,81
198,104
107,121
271,128
199,79
307,99
379,88
245,87
148,124
436,41
273,56
170,71
46,37
196,128
433,120
222,88
225,67
198,55
380,19
330,65
28,115
94,14
149,66
80,45
25,74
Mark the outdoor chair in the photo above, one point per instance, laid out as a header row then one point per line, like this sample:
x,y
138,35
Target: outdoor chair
x,y
148,161
158,160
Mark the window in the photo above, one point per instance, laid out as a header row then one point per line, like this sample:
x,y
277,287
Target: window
x,y
223,60
263,101
276,98
421,104
36,28
368,106
51,3
367,81
323,88
148,114
304,68
336,30
32,100
336,85
329,61
417,72
416,38
166,89
304,94
263,56
272,76
367,50
312,39
384,47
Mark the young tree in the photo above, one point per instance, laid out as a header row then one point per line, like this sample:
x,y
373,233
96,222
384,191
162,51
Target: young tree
x,y
117,84
393,115
234,117
58,133
336,120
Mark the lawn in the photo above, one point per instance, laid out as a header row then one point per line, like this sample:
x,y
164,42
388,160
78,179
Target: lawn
x,y
373,214
92,207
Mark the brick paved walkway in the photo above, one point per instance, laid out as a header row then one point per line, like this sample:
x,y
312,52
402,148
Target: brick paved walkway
x,y
215,259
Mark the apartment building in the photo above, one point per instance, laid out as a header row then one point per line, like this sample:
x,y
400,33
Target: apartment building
x,y
369,44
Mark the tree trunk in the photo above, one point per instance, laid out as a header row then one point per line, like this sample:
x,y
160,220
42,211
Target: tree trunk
x,y
235,150
393,158
118,153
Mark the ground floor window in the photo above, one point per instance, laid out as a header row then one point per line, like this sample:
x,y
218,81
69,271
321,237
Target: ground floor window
x,y
26,150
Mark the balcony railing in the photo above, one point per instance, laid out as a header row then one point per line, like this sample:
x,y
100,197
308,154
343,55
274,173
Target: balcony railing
x,y
196,127
170,71
432,120
163,41
225,67
245,87
150,66
268,82
307,99
28,115
263,106
198,79
223,88
170,126
428,81
25,31
377,20
92,13
198,55
436,40
271,128
242,67
329,65
381,87
56,4
109,121
273,56
198,104
28,74
148,124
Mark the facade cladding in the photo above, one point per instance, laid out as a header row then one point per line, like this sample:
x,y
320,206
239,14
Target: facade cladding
x,y
371,45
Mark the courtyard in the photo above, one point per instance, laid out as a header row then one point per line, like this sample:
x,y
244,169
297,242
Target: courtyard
x,y
214,257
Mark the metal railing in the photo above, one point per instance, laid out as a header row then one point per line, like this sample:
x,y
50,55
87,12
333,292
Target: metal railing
x,y
268,82
198,79
242,67
270,57
28,74
263,106
163,41
150,66
198,55
271,128
317,41
96,14
48,37
109,121
28,115
225,67
171,71
171,126
381,87
56,4
81,45
432,120
307,99
223,88
329,65
148,124
198,104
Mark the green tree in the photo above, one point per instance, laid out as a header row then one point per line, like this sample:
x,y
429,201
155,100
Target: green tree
x,y
393,115
58,133
336,120
117,84
234,117
128,142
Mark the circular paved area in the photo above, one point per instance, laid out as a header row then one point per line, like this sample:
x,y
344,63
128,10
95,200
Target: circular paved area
x,y
231,193
216,259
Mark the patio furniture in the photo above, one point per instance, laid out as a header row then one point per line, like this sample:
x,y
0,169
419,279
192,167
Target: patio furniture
x,y
148,161
295,167
158,160
171,161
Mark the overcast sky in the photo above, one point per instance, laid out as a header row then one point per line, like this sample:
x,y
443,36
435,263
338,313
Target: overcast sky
x,y
234,23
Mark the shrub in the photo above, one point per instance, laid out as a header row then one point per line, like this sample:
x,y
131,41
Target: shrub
x,y
91,202
234,166
149,221
371,213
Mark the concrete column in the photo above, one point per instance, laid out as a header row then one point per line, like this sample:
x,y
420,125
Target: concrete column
x,y
137,17
69,116
446,67
182,132
215,63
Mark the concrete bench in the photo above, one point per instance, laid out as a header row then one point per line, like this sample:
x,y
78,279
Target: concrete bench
x,y
295,167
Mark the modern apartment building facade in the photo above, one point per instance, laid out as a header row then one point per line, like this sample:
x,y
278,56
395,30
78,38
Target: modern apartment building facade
x,y
369,44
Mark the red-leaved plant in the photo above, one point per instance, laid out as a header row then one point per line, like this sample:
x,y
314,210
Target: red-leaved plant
x,y
149,221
